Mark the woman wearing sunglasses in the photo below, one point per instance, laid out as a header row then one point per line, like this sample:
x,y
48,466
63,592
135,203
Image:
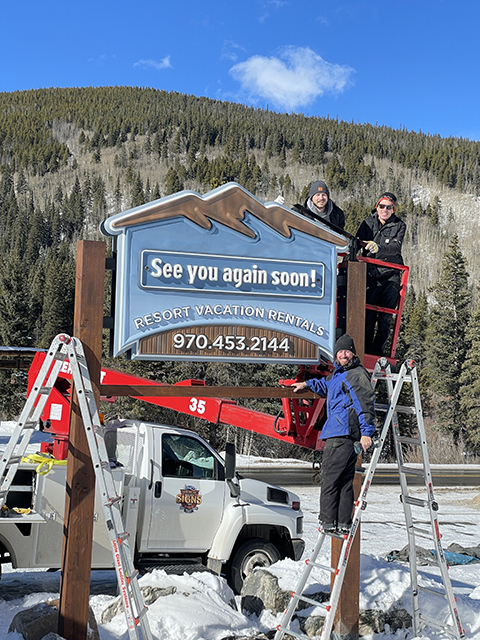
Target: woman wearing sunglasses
x,y
383,232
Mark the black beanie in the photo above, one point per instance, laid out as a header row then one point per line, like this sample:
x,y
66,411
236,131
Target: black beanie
x,y
318,187
345,342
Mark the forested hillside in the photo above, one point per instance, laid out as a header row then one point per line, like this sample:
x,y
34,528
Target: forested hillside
x,y
71,157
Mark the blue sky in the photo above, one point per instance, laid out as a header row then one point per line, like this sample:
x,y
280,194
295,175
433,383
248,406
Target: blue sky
x,y
401,63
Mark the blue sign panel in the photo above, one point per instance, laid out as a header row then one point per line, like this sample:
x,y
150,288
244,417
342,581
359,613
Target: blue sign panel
x,y
223,277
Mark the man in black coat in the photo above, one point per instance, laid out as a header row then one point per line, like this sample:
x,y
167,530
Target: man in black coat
x,y
384,232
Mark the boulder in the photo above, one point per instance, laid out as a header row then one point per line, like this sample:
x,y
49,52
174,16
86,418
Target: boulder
x,y
150,594
42,620
261,591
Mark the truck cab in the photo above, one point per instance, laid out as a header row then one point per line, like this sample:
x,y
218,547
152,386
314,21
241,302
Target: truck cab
x,y
183,505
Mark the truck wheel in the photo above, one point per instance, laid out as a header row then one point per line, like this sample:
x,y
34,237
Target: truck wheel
x,y
252,554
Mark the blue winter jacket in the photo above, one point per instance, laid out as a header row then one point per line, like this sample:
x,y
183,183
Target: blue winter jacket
x,y
350,401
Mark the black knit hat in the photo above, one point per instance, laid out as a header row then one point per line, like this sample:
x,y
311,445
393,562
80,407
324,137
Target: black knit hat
x,y
389,196
345,342
318,187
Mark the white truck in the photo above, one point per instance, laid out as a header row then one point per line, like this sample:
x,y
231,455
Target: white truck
x,y
184,507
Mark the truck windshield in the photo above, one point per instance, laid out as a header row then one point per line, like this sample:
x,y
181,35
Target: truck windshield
x,y
186,457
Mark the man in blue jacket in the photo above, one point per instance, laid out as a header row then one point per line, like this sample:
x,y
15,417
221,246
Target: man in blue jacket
x,y
350,419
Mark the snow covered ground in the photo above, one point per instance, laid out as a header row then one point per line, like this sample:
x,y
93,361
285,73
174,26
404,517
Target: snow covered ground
x,y
201,607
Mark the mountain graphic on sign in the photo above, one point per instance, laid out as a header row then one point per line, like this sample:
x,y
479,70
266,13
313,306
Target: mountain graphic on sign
x,y
226,205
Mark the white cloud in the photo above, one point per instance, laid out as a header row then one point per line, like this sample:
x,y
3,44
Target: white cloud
x,y
156,64
294,79
229,50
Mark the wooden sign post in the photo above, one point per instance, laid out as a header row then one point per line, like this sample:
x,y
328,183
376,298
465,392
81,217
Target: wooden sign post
x,y
346,619
80,490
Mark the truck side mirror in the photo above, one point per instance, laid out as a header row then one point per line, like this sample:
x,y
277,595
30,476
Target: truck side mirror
x,y
230,461
230,469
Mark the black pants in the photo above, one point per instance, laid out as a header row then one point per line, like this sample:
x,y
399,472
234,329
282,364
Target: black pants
x,y
383,292
338,471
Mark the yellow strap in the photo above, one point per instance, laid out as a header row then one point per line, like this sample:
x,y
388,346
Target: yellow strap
x,y
44,462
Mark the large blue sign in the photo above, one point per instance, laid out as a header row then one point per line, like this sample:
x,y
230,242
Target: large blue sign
x,y
223,277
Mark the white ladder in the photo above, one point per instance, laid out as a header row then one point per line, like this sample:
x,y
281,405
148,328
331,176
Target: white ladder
x,y
64,348
407,374
382,371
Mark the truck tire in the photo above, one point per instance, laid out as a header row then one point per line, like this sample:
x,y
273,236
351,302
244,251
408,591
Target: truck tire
x,y
254,553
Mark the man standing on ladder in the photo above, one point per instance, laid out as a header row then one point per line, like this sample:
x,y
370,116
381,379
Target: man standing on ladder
x,y
350,420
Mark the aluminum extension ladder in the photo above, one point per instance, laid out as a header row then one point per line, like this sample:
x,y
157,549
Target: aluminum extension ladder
x,y
64,348
395,382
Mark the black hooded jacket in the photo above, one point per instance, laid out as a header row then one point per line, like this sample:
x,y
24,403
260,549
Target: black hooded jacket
x,y
389,238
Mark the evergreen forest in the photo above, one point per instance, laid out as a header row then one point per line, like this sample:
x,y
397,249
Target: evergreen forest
x,y
71,157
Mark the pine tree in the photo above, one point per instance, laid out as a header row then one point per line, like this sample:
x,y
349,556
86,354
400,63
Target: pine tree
x,y
16,323
173,184
445,340
57,315
470,382
415,333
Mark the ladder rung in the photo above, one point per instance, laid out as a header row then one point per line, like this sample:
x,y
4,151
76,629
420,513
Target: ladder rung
x,y
111,501
18,487
44,391
314,603
142,613
13,460
420,532
411,471
321,566
382,375
437,625
134,575
408,440
399,408
433,592
416,502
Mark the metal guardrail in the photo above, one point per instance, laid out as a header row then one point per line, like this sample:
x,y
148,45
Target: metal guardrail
x,y
443,475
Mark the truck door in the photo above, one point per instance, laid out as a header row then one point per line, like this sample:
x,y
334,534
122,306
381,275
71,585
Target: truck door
x,y
187,496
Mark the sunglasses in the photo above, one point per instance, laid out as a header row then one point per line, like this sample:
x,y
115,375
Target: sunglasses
x,y
388,207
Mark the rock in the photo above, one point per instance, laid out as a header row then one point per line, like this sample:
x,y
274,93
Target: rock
x,y
375,621
261,591
150,595
42,620
398,619
371,621
312,626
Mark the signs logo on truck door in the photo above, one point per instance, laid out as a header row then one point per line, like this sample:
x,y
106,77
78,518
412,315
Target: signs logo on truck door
x,y
189,498
223,277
